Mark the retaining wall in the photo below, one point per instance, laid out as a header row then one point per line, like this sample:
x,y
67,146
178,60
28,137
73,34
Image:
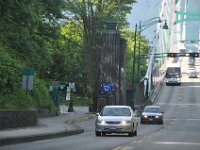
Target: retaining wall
x,y
17,118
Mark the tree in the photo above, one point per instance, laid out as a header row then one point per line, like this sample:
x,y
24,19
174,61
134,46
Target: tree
x,y
93,14
128,34
29,33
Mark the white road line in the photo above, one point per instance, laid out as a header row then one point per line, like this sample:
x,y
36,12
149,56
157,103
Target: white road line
x,y
177,104
178,143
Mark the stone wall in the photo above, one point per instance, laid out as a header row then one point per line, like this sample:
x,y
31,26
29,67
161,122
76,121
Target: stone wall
x,y
17,118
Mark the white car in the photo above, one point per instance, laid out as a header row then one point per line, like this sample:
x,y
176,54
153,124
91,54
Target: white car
x,y
116,119
192,73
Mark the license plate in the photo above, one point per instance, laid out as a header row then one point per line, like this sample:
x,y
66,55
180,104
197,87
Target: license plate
x,y
150,119
112,128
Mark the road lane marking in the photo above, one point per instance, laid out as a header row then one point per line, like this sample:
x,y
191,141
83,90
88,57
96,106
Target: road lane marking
x,y
140,141
183,119
117,148
178,143
134,142
182,104
147,137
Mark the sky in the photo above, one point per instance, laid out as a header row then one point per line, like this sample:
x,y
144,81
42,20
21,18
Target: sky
x,y
144,10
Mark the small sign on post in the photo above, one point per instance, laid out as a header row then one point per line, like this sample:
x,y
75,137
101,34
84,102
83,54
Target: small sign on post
x,y
27,81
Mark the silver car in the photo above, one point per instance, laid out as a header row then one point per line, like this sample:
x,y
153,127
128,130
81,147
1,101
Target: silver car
x,y
152,114
116,119
192,72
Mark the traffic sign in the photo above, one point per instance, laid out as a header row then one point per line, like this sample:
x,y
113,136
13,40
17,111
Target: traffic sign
x,y
107,87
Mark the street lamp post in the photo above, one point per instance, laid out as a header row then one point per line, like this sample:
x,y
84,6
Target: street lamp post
x,y
142,27
133,73
138,71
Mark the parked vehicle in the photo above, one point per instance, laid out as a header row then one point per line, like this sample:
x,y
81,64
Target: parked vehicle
x,y
116,119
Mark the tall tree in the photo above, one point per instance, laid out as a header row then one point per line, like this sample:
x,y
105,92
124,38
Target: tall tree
x,y
94,14
29,33
128,34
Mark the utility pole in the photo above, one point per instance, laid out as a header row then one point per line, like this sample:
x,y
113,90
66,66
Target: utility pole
x,y
138,77
133,73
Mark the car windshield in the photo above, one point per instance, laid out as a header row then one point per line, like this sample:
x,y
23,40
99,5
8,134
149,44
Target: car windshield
x,y
152,109
116,112
173,72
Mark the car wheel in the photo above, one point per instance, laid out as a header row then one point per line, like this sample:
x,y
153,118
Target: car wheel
x,y
131,134
135,133
103,134
98,133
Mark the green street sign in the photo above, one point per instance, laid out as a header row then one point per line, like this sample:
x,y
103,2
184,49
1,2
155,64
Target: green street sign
x,y
182,16
27,79
28,71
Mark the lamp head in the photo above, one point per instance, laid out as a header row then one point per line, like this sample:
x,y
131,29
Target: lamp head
x,y
165,26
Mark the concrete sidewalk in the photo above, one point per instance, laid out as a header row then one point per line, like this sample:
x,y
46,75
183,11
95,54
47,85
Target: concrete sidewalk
x,y
50,127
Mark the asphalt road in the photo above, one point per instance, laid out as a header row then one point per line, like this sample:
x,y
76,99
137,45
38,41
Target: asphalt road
x,y
180,130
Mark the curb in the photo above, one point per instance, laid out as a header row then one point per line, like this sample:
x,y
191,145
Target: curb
x,y
24,139
80,119
76,131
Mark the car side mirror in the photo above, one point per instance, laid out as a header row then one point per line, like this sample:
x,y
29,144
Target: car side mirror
x,y
162,112
97,114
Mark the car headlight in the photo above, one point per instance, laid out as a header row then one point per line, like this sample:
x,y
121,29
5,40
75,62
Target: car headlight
x,y
101,122
144,116
158,116
125,122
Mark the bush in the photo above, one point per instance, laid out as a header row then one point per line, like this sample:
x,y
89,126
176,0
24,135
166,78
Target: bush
x,y
17,100
40,94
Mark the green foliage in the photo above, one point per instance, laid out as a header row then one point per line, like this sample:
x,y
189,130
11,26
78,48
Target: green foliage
x,y
40,94
29,34
93,15
60,40
17,100
78,101
144,49
9,71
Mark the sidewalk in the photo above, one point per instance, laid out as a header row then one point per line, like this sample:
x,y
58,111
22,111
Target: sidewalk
x,y
50,127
